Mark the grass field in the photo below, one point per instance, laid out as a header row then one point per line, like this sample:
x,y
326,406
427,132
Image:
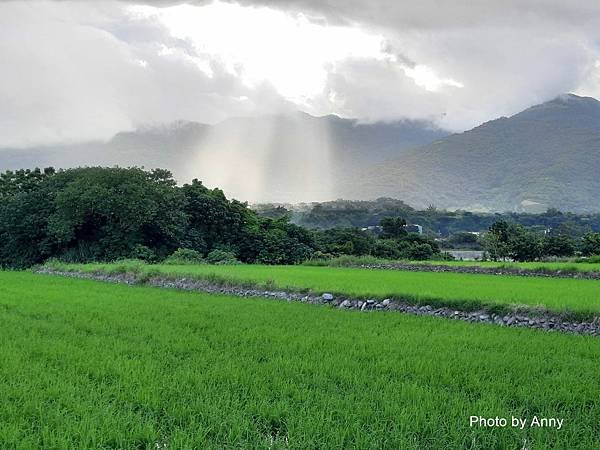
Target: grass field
x,y
93,365
466,291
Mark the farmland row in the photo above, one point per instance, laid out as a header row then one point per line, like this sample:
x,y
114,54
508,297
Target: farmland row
x,y
538,319
466,292
98,365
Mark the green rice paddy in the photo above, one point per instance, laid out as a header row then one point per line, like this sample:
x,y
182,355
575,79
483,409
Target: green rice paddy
x,y
467,291
92,365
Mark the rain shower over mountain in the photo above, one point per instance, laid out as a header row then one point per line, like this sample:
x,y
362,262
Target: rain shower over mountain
x,y
546,156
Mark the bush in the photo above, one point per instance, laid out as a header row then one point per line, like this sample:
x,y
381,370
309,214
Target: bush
x,y
320,255
143,253
590,244
184,256
344,241
443,256
80,253
346,261
386,248
419,251
559,246
463,237
592,259
135,266
219,256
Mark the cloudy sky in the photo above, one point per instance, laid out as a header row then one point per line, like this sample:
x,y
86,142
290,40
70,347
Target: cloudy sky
x,y
75,71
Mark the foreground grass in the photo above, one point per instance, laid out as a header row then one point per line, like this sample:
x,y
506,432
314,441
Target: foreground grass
x,y
93,365
465,291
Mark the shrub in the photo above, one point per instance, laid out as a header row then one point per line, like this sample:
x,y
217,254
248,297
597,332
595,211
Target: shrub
x,y
386,248
443,256
129,266
590,244
184,256
321,255
143,253
350,261
592,259
219,256
419,251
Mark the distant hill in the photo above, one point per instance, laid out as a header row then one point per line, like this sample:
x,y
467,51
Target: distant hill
x,y
293,157
545,156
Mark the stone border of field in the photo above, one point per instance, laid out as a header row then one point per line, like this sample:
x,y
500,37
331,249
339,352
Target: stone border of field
x,y
542,320
590,275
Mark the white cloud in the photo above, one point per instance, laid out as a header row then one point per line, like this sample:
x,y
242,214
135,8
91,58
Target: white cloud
x,y
263,44
425,77
85,70
73,73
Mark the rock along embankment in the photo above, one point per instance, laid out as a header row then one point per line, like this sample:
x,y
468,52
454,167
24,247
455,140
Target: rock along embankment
x,y
542,320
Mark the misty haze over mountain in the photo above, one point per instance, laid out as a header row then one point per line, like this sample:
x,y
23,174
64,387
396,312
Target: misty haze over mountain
x,y
302,100
545,156
292,157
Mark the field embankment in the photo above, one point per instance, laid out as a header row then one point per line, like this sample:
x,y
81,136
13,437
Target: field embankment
x,y
589,271
98,365
572,298
517,317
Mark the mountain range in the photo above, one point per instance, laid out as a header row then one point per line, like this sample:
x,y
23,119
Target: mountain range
x,y
545,156
291,157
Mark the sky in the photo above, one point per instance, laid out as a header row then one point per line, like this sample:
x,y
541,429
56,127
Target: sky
x,y
78,71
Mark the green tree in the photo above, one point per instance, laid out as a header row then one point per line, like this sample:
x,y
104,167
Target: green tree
x,y
525,245
387,249
276,241
340,241
213,220
495,241
559,245
510,240
590,244
393,228
104,214
24,238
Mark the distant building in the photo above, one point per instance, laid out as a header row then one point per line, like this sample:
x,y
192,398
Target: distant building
x,y
467,255
414,228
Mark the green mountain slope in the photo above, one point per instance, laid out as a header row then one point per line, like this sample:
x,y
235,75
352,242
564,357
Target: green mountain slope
x,y
545,156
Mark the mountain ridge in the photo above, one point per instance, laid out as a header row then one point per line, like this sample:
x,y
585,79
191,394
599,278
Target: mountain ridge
x,y
253,158
545,156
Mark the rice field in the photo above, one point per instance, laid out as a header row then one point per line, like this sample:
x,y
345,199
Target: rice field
x,y
465,291
87,364
535,266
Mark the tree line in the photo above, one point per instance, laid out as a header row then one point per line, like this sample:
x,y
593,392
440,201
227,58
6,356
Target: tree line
x,y
106,214
438,222
509,240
